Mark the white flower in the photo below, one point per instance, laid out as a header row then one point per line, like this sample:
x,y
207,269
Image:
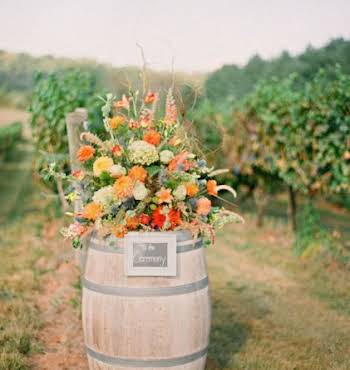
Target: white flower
x,y
180,192
140,192
117,170
142,152
166,156
130,213
104,196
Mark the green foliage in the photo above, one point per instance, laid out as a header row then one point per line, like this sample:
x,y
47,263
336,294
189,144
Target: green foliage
x,y
208,120
233,82
9,136
301,135
311,236
53,97
314,239
342,199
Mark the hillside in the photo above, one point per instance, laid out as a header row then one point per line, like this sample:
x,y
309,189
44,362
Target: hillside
x,y
232,81
18,69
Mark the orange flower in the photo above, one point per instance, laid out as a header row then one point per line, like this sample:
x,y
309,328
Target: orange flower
x,y
77,229
191,189
132,222
145,219
179,162
164,196
119,231
85,153
123,103
138,173
211,187
152,137
117,150
174,218
203,206
78,174
116,121
92,211
134,124
151,97
123,187
158,218
146,118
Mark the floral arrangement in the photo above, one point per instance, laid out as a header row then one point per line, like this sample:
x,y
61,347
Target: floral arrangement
x,y
143,177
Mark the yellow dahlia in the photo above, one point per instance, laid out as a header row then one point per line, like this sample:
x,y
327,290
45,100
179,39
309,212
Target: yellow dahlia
x,y
102,164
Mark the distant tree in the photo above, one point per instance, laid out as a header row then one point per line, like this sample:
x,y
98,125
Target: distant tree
x,y
53,97
17,70
234,81
301,136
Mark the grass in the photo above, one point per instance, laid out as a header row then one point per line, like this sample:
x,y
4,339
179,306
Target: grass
x,y
272,310
19,276
19,318
332,217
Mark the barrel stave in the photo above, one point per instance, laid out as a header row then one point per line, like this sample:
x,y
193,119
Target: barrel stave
x,y
195,365
158,322
146,327
108,268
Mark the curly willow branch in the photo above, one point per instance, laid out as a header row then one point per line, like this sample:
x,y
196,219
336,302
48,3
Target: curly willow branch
x,y
228,188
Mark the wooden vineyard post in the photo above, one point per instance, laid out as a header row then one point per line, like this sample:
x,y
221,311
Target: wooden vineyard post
x,y
75,126
75,121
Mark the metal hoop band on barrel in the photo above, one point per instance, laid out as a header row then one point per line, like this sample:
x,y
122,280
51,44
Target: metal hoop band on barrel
x,y
166,362
182,247
146,292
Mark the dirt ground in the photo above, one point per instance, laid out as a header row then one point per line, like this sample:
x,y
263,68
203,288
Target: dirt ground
x,y
61,334
8,115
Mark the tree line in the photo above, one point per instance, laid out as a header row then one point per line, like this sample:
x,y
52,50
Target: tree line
x,y
232,82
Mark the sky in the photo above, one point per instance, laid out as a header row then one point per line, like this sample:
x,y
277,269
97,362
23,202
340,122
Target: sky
x,y
191,35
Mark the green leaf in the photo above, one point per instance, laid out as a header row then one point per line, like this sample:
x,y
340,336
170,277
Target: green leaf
x,y
153,170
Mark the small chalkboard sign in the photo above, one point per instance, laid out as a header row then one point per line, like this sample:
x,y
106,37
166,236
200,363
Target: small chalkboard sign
x,y
150,254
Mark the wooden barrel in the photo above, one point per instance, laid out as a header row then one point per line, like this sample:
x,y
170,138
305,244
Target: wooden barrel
x,y
134,323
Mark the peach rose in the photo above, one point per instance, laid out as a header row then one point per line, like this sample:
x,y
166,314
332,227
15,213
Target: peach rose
x,y
203,206
164,196
123,187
